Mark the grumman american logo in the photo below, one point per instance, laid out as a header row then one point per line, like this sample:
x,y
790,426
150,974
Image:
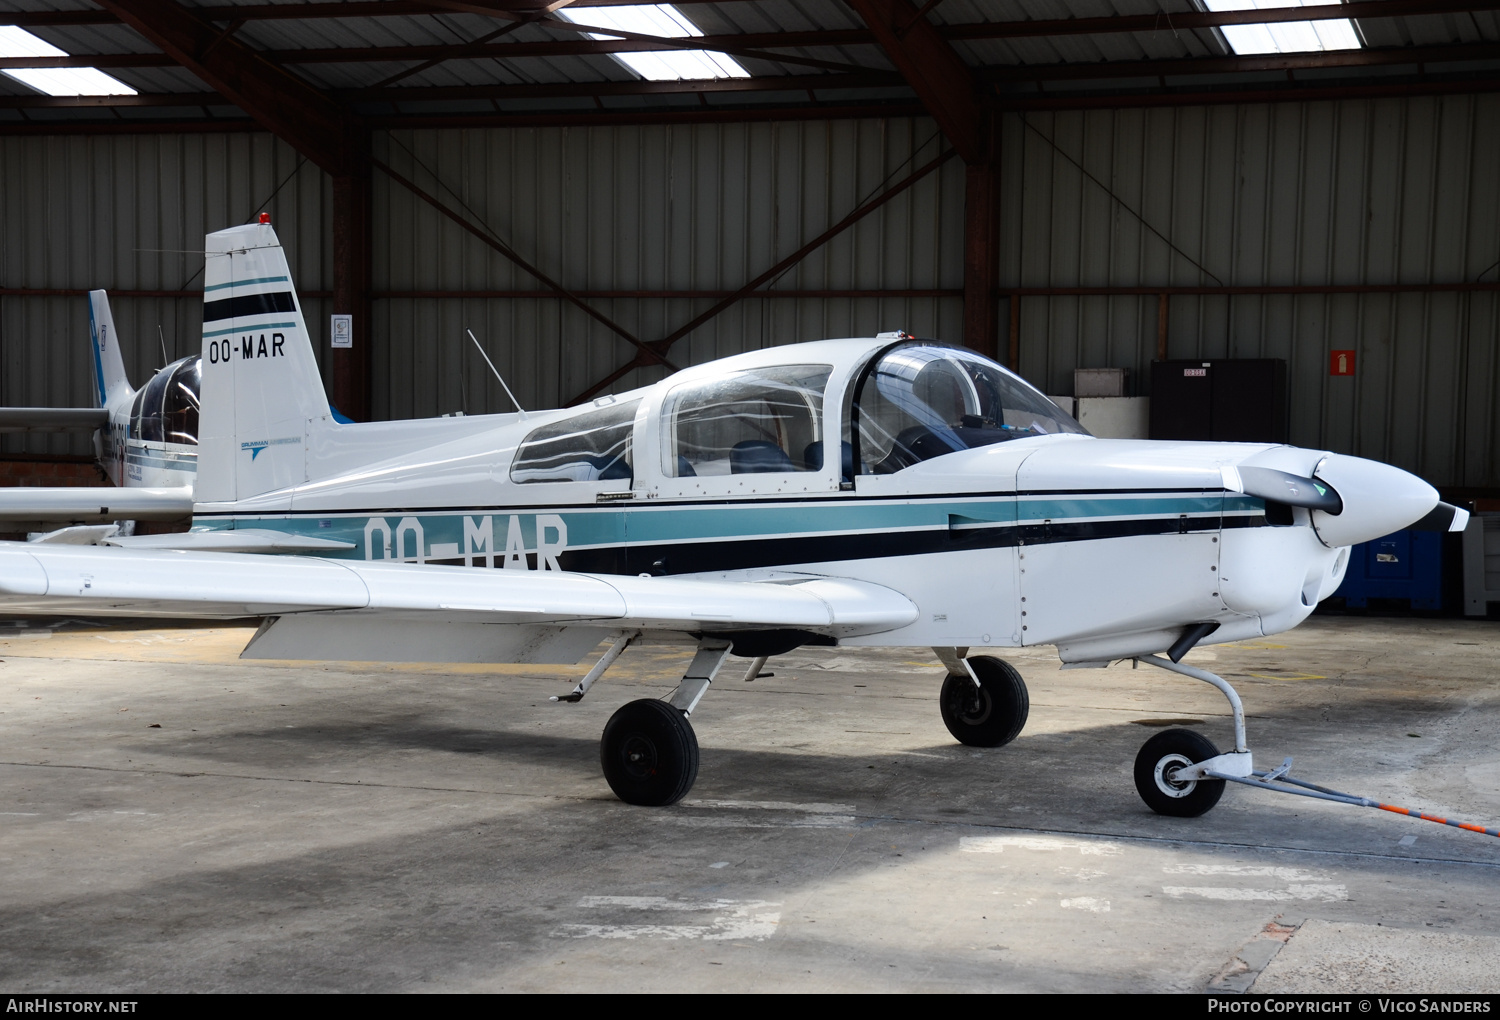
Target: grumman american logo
x,y
257,445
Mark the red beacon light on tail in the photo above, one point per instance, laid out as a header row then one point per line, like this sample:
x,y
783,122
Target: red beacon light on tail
x,y
265,217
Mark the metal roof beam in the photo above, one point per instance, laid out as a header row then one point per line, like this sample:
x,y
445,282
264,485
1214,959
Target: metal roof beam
x,y
942,81
1242,65
1163,21
1001,72
745,113
307,119
1109,70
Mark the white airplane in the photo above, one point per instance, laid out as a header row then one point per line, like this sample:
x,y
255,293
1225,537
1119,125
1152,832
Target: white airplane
x,y
145,440
887,491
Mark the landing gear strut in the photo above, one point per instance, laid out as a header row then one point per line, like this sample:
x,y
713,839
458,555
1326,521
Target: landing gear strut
x,y
984,702
649,751
1179,772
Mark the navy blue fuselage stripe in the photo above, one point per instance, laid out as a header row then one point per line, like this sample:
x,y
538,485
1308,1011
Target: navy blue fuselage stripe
x,y
248,304
698,557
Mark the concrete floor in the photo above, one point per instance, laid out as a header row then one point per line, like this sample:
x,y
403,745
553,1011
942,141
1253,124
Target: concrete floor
x,y
172,819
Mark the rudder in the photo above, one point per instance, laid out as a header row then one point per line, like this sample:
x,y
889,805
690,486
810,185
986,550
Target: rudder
x,y
110,380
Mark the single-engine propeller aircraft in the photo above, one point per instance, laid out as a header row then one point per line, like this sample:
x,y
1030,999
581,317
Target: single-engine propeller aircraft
x,y
888,491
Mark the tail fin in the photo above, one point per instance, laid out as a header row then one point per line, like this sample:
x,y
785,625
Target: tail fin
x,y
110,381
262,399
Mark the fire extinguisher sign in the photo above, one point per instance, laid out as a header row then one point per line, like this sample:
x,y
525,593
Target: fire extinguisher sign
x,y
1340,362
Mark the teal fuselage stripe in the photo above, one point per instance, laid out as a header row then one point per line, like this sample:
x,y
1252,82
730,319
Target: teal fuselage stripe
x,y
609,526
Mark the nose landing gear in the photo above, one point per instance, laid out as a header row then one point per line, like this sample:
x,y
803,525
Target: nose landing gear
x,y
1157,770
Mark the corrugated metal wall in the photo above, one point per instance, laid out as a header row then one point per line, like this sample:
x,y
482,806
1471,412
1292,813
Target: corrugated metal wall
x,y
128,212
1350,192
698,208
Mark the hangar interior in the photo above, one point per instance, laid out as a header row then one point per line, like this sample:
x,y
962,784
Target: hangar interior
x,y
604,192
1060,185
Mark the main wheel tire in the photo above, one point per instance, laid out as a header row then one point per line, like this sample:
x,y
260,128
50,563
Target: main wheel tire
x,y
649,753
1169,750
991,716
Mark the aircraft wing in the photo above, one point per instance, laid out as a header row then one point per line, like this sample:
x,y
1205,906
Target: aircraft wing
x,y
94,503
337,609
52,419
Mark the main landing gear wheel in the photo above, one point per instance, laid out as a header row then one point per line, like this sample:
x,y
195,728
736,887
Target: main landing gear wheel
x,y
649,753
992,715
1161,756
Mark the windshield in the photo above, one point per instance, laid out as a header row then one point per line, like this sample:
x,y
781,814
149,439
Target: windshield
x,y
922,400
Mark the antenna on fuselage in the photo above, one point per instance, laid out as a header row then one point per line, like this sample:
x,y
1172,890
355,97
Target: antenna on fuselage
x,y
163,338
490,363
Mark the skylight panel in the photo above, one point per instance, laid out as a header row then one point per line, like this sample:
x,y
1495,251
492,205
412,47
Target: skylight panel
x,y
1285,36
661,20
55,81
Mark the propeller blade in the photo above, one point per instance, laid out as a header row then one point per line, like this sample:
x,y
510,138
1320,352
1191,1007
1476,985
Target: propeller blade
x,y
1293,490
1444,517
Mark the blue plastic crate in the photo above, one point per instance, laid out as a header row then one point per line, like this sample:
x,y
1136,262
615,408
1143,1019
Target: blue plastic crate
x,y
1402,565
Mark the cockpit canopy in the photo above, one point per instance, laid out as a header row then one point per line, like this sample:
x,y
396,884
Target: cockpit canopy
x,y
166,408
921,400
908,403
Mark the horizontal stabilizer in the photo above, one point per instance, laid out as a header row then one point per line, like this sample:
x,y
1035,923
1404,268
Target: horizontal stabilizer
x,y
249,540
94,504
52,419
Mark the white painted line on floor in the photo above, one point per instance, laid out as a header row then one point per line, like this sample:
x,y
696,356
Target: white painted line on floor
x,y
1325,893
1090,903
732,919
999,844
773,805
752,822
1255,870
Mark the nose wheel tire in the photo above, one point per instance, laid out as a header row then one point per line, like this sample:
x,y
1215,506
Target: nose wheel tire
x,y
1160,758
992,715
649,753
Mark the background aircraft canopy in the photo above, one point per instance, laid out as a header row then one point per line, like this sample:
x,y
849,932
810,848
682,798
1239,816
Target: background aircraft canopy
x,y
922,400
166,408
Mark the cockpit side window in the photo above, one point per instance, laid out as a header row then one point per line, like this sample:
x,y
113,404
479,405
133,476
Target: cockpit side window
x,y
922,400
593,446
764,420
